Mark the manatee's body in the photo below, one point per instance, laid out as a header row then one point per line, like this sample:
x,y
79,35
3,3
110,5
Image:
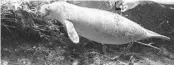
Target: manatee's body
x,y
99,25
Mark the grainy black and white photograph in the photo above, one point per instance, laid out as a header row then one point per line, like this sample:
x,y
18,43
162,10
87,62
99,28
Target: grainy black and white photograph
x,y
87,32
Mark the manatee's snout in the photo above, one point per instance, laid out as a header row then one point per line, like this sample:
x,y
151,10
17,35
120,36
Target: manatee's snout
x,y
44,12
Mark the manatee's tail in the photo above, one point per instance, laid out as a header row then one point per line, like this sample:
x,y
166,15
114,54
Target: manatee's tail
x,y
152,34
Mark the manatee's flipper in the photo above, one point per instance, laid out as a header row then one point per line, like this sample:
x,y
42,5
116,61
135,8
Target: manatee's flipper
x,y
71,31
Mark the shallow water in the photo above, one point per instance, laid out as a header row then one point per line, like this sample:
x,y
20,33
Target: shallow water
x,y
28,48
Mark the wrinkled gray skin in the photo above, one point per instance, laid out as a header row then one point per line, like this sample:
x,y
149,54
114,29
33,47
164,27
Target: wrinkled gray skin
x,y
98,25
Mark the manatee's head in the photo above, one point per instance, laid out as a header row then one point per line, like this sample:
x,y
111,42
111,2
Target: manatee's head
x,y
50,11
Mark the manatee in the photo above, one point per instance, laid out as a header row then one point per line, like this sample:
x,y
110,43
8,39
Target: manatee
x,y
97,25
